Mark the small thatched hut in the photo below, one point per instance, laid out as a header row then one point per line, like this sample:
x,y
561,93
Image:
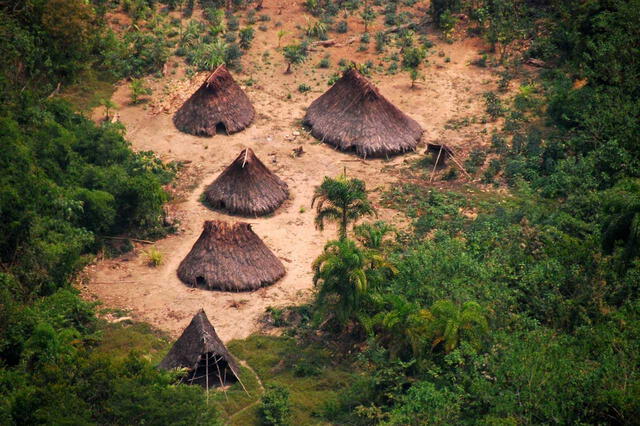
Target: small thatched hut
x,y
353,115
439,153
218,104
247,187
200,350
230,257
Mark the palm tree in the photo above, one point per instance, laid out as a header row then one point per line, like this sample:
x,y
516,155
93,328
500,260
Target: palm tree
x,y
340,273
342,200
450,324
403,326
108,106
371,235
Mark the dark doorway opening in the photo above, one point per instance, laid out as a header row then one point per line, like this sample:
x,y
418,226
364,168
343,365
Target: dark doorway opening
x,y
221,129
214,368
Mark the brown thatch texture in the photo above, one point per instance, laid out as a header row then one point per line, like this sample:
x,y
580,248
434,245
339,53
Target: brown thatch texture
x,y
219,101
247,187
197,341
230,257
353,115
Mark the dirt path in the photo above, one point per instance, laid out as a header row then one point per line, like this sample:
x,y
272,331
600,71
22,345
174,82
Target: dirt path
x,y
155,295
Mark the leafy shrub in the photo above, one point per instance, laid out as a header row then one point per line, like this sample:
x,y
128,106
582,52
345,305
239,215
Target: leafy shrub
x,y
317,29
138,90
334,77
381,41
493,105
154,257
492,170
294,54
246,37
476,159
342,27
303,88
324,62
233,23
275,407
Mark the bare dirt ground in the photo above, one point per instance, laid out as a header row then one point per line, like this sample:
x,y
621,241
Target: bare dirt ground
x,y
451,90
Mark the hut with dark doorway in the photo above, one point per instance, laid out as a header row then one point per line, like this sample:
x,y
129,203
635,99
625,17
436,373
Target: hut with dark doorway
x,y
247,188
230,257
354,116
218,105
439,154
202,353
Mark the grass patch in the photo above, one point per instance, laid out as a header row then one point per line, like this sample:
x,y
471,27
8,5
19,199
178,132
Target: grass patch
x,y
308,371
235,399
118,340
91,88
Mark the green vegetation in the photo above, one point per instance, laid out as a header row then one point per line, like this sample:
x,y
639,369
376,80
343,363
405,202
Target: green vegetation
x,y
67,186
274,408
294,54
343,200
138,91
519,306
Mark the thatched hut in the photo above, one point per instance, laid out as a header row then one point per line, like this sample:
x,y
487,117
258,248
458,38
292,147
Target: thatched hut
x,y
247,187
200,350
353,116
439,153
230,257
219,104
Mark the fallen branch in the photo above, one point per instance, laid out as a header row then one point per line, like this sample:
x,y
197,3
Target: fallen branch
x,y
55,92
130,239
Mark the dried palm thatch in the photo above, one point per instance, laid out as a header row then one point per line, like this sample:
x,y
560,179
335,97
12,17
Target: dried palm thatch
x,y
218,102
247,187
200,350
230,257
353,115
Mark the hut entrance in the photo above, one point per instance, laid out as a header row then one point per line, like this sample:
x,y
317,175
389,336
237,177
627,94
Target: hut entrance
x,y
201,282
212,371
221,129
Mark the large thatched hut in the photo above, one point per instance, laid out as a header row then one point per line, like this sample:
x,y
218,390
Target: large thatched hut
x,y
247,187
353,116
230,257
200,350
219,104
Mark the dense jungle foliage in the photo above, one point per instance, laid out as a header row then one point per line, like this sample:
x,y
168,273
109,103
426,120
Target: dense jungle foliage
x,y
526,311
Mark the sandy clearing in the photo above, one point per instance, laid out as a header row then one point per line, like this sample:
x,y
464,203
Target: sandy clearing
x,y
451,91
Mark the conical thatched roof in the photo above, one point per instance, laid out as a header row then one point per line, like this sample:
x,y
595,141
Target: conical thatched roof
x,y
247,187
198,344
219,101
230,257
353,115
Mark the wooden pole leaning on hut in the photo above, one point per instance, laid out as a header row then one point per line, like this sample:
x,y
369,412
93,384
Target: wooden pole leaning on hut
x,y
206,371
433,172
461,168
448,151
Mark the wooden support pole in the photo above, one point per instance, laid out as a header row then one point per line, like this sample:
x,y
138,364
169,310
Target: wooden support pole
x,y
435,165
206,371
460,166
